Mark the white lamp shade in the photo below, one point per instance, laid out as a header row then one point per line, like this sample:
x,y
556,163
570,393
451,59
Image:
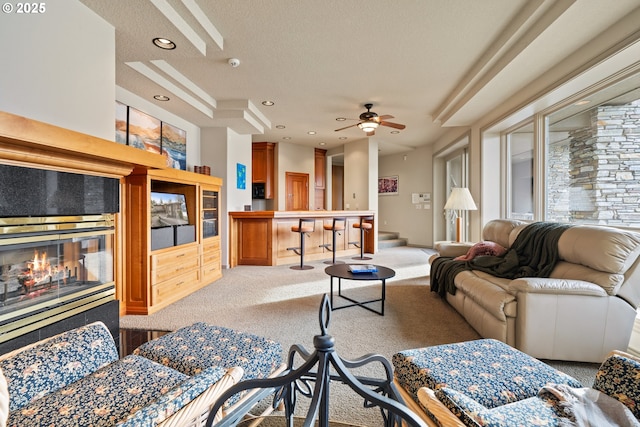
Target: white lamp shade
x,y
460,200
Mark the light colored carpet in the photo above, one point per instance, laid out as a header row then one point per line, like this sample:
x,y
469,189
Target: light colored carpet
x,y
283,304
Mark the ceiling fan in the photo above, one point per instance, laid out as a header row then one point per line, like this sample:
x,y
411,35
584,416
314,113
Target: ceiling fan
x,y
369,121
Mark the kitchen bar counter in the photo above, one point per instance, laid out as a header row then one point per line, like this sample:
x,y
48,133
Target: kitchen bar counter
x,y
262,237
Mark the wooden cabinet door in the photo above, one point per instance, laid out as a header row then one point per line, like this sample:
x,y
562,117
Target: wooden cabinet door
x,y
262,161
297,188
258,164
320,168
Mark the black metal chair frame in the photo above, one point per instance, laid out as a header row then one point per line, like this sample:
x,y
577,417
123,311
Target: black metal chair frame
x,y
285,388
332,247
299,250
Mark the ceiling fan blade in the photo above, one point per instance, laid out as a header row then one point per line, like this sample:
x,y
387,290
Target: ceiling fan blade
x,y
347,127
392,125
385,117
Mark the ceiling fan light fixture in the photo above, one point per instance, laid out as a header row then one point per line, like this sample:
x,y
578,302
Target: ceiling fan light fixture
x,y
368,126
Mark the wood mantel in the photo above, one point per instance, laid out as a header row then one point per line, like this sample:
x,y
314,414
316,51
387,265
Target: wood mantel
x,y
25,141
262,237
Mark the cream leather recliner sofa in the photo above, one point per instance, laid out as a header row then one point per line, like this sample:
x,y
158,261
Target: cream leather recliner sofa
x,y
584,310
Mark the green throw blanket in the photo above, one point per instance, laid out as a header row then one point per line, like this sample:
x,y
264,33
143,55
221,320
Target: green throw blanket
x,y
534,253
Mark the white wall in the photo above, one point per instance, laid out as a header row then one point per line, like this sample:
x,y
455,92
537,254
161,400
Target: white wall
x,y
58,67
361,175
293,158
398,213
221,149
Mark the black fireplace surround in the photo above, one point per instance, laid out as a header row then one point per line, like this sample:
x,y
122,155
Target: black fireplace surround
x,y
57,243
29,192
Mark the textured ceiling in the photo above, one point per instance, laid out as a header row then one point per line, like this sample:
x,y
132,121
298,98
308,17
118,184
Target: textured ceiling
x,y
429,63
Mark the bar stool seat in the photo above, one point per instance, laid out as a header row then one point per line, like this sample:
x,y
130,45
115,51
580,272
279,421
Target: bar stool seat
x,y
304,226
364,227
336,226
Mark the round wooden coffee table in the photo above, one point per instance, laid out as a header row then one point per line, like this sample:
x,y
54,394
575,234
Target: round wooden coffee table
x,y
341,271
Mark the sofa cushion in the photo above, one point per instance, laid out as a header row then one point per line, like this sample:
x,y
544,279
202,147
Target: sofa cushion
x,y
46,367
194,348
103,398
610,282
602,248
175,399
489,292
486,370
533,411
499,231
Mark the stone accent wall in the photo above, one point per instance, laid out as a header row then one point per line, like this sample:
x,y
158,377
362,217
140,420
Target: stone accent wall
x,y
601,181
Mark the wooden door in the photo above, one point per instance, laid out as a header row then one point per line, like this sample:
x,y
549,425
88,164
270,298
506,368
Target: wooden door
x,y
337,187
297,190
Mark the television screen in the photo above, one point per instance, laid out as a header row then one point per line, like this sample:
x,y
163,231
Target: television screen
x,y
168,209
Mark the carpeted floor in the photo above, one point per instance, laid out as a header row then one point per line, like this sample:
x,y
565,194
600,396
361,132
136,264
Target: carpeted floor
x,y
283,304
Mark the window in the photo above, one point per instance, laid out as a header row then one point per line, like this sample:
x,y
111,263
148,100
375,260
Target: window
x,y
520,172
457,176
592,164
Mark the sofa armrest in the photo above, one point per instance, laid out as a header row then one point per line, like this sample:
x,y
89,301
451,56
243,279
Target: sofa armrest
x,y
618,377
555,286
452,249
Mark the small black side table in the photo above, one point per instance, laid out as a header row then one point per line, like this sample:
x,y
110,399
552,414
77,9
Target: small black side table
x,y
341,271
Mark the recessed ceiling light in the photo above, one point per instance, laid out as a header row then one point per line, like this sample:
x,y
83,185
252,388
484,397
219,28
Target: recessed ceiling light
x,y
164,43
583,102
341,119
322,143
343,137
161,97
280,126
268,103
312,132
286,137
395,131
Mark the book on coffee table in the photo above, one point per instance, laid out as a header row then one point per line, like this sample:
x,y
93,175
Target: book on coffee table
x,y
362,268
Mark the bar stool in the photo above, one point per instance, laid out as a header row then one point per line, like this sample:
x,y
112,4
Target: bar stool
x,y
364,227
305,226
337,225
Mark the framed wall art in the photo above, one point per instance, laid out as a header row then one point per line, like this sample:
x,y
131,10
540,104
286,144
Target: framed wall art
x,y
241,173
122,118
174,146
388,185
144,131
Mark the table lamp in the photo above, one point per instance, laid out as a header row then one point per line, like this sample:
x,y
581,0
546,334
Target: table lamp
x,y
460,200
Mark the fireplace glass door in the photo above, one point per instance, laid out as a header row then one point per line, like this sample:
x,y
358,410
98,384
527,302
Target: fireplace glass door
x,y
42,272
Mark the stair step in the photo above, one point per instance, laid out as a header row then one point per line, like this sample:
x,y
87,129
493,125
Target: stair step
x,y
387,235
391,243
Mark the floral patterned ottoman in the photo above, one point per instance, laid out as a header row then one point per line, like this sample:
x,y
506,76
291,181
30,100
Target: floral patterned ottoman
x,y
76,379
194,348
476,375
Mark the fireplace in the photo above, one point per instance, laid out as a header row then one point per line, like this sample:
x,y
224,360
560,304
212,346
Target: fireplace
x,y
57,239
52,268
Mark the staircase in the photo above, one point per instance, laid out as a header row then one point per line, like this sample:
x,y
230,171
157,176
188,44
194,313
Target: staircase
x,y
388,239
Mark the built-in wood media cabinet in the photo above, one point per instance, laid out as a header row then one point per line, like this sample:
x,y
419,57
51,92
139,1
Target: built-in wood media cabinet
x,y
188,261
